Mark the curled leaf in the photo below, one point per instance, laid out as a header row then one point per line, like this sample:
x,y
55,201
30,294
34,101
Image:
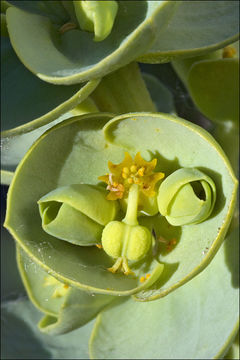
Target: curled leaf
x,y
96,16
187,196
77,213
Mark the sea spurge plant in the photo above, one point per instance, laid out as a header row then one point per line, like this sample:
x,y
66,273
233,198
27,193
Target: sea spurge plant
x,y
115,209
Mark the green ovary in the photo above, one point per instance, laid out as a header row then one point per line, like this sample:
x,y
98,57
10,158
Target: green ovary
x,y
122,240
96,16
126,240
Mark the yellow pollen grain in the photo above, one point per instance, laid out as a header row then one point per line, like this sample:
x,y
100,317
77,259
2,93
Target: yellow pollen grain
x,y
66,286
99,246
133,168
141,171
124,175
148,276
142,279
130,180
125,170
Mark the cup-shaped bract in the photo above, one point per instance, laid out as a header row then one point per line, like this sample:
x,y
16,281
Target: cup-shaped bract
x,y
153,31
187,196
78,151
77,213
65,308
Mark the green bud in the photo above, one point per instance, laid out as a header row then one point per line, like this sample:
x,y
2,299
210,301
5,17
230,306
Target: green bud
x,y
122,240
187,196
96,16
77,213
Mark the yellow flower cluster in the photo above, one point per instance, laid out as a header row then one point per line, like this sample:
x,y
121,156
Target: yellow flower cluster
x,y
131,171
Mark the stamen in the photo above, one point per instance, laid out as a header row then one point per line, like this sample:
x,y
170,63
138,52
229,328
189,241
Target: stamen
x,y
131,171
133,168
142,279
141,171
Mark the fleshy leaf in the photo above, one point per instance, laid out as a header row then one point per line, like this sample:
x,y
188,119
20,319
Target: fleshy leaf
x,y
21,337
54,10
196,27
151,31
64,312
199,321
187,196
77,213
28,102
15,146
218,74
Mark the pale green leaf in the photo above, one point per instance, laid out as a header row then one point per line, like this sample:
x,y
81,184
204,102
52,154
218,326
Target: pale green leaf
x,y
198,321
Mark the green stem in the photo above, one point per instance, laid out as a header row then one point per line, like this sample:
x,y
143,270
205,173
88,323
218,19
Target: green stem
x,y
123,91
132,207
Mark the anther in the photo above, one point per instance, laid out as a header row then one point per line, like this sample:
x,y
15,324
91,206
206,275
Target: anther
x,y
130,180
142,279
124,175
133,168
141,171
148,276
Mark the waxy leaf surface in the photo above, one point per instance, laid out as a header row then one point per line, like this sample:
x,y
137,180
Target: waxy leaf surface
x,y
152,31
198,321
